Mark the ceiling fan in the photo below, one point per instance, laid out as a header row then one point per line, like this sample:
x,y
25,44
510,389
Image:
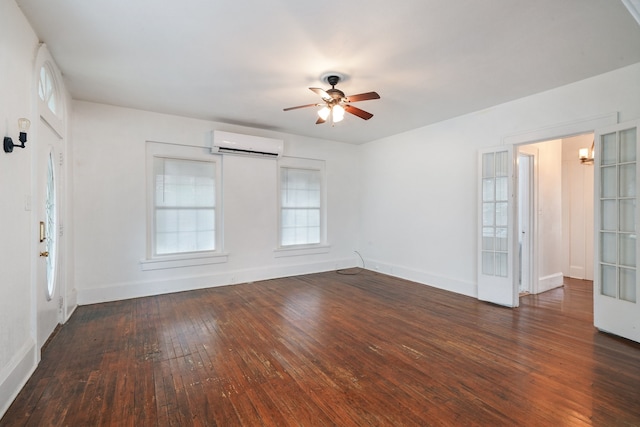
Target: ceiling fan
x,y
335,102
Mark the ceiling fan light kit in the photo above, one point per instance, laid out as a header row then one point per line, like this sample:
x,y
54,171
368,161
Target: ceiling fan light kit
x,y
335,102
324,112
337,113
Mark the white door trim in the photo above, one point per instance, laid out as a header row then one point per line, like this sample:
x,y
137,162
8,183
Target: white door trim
x,y
527,271
557,131
562,130
56,123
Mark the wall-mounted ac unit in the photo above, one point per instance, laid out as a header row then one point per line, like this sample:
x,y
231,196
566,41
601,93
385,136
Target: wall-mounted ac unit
x,y
247,145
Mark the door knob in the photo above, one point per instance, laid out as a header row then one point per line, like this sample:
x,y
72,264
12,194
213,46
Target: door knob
x,y
44,254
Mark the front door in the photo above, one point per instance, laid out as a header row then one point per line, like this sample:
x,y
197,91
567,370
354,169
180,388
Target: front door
x,y
48,295
616,305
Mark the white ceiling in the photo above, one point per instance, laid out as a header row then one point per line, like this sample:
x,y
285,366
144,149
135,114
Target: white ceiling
x,y
242,62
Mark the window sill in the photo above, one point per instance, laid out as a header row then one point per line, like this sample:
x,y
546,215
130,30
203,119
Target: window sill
x,y
182,261
301,250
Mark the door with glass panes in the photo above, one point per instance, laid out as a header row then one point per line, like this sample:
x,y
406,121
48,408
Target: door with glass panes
x,y
495,263
616,305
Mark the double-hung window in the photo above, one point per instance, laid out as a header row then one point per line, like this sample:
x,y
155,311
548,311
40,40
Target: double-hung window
x,y
184,206
302,210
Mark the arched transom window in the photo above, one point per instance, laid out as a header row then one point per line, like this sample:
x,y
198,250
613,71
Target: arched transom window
x,y
48,92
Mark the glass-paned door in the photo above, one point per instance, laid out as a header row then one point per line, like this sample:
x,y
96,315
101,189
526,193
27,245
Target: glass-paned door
x,y
495,264
48,287
616,279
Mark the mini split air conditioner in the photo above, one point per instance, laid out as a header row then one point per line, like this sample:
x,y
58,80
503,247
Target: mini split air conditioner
x,y
247,145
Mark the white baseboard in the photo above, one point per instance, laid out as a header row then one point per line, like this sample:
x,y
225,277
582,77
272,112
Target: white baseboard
x,y
71,302
122,291
437,281
577,272
70,312
16,374
549,282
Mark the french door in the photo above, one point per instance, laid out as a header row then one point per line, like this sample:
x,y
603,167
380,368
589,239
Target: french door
x,y
617,181
495,243
616,290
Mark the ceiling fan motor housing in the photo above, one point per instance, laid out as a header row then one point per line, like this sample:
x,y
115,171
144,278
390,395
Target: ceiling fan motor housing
x,y
336,94
333,80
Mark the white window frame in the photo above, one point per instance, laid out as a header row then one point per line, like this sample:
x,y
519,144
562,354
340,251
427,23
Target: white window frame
x,y
303,249
48,73
154,261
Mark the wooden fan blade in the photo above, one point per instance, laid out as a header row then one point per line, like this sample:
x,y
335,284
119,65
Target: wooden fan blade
x,y
363,97
320,120
321,92
300,106
357,112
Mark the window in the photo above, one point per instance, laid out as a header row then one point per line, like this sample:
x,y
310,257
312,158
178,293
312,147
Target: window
x,y
184,224
495,199
301,202
50,90
47,90
300,207
184,206
51,226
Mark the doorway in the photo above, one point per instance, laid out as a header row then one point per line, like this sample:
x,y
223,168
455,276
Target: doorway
x,y
554,213
525,219
49,195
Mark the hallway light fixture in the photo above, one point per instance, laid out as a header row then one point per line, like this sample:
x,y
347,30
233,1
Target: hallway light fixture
x,y
586,155
23,127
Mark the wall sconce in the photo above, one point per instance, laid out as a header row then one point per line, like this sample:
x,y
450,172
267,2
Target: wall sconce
x,y
23,127
586,155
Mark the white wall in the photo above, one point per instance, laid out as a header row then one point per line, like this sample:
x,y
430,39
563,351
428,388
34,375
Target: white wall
x,y
577,209
548,213
419,190
18,45
110,212
407,202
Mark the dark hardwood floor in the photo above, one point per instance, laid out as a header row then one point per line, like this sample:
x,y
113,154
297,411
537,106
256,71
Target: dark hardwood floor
x,y
329,349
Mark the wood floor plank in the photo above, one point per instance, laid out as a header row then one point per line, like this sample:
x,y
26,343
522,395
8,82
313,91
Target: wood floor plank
x,y
330,349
